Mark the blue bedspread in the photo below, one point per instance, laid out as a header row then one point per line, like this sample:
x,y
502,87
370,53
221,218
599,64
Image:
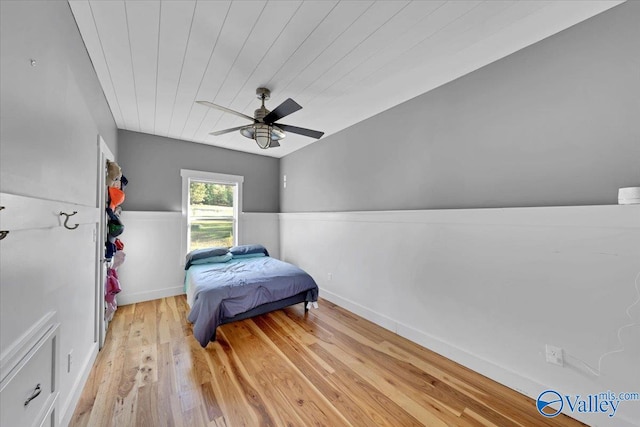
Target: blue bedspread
x,y
227,289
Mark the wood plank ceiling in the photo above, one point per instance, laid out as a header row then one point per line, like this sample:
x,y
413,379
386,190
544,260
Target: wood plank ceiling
x,y
343,61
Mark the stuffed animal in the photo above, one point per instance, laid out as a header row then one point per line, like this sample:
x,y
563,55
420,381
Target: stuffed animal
x,y
114,173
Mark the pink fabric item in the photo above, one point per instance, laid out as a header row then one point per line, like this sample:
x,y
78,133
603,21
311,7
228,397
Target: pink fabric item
x,y
113,286
118,259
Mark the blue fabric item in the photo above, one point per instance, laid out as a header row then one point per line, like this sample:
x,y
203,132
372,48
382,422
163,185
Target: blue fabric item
x,y
249,249
213,259
228,289
110,250
248,256
112,215
204,253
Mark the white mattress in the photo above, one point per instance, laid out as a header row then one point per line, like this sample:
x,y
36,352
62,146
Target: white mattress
x,y
189,289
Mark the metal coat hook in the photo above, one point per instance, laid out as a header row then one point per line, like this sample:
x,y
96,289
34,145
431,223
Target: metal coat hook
x,y
67,219
3,233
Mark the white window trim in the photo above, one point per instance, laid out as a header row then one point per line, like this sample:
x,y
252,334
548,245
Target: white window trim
x,y
188,175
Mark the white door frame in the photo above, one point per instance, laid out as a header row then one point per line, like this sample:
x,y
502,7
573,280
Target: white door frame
x,y
104,154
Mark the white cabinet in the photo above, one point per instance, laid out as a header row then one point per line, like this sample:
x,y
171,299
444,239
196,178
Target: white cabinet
x,y
29,391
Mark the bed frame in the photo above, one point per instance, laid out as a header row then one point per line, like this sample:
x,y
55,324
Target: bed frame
x,y
266,308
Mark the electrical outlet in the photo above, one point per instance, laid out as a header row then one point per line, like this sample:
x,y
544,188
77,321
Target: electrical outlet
x,y
554,355
69,361
330,276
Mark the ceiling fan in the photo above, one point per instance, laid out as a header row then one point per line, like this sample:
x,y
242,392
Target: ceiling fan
x,y
264,130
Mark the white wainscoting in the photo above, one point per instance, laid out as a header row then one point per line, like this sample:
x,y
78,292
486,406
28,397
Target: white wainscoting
x,y
263,228
154,266
489,288
47,277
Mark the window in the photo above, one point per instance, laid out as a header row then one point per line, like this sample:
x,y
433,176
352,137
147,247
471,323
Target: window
x,y
211,203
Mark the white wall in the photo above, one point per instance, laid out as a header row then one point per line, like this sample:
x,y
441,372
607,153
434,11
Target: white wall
x,y
44,269
263,228
51,115
489,288
154,266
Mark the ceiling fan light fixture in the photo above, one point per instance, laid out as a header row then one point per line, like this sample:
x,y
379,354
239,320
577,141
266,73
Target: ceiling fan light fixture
x,y
263,134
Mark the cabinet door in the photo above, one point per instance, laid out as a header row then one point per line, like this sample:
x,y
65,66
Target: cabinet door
x,y
28,393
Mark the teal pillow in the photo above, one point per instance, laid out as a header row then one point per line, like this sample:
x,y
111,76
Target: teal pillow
x,y
206,253
248,256
213,260
248,249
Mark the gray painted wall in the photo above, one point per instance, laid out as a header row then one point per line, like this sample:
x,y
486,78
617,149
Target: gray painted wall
x,y
50,116
152,165
53,112
557,123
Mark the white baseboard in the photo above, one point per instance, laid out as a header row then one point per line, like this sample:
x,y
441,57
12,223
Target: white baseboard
x,y
69,406
498,373
506,377
360,310
133,298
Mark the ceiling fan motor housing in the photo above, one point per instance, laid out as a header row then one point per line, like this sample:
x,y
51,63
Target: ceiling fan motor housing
x,y
263,94
260,113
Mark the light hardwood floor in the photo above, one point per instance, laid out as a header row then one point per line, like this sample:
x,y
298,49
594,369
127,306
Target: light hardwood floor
x,y
328,367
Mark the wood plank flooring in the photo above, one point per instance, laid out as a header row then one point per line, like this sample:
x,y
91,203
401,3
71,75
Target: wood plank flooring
x,y
287,368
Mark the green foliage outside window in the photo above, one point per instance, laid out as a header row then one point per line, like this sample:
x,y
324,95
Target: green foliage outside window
x,y
204,193
210,214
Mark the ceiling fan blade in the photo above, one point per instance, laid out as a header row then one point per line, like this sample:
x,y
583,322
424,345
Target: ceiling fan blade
x,y
222,132
225,109
302,131
287,107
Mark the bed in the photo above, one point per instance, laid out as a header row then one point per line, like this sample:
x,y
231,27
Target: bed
x,y
225,286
